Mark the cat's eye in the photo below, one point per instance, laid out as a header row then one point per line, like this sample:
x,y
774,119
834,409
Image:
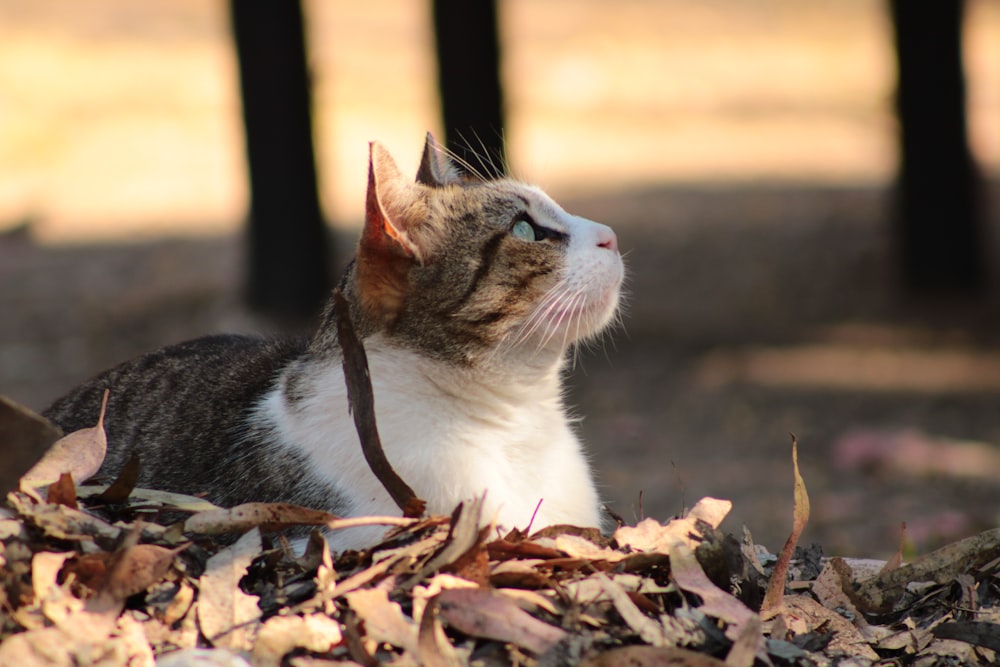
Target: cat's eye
x,y
526,229
523,230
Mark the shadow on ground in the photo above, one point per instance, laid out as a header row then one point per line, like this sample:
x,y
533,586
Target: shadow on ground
x,y
753,313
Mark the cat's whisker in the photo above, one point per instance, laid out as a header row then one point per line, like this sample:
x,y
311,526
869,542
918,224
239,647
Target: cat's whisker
x,y
467,166
549,301
567,306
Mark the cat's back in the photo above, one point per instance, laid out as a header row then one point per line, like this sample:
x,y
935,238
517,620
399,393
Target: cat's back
x,y
183,403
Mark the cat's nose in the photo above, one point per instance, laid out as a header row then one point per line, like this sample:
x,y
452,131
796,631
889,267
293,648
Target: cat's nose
x,y
606,238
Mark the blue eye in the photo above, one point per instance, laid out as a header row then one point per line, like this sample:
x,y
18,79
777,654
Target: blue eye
x,y
523,230
526,229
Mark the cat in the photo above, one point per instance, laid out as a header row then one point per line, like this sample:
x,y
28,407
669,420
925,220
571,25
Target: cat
x,y
467,295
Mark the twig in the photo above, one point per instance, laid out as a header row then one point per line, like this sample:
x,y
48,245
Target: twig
x,y
361,402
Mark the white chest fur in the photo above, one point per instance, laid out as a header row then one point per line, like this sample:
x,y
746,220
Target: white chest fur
x,y
450,435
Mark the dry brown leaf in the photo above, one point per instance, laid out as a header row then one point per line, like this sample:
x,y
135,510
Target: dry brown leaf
x,y
155,497
652,656
715,602
897,558
242,518
60,522
139,568
227,615
131,638
847,638
651,631
651,535
80,453
435,649
63,492
384,619
518,573
45,647
55,601
201,657
281,635
484,613
830,589
776,587
464,534
124,484
26,436
423,594
746,646
591,590
579,547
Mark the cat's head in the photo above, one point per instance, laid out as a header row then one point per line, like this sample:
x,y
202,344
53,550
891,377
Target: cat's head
x,y
472,271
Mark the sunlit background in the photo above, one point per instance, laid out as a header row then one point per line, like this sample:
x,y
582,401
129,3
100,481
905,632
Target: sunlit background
x,y
743,149
121,119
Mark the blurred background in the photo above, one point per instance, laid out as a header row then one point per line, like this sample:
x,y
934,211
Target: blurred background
x,y
746,153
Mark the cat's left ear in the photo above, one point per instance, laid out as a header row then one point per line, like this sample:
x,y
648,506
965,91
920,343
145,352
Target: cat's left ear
x,y
436,170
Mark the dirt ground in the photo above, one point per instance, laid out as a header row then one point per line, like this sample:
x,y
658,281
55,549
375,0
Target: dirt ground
x,y
752,313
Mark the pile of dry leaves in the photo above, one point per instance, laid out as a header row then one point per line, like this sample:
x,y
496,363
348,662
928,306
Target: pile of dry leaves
x,y
123,576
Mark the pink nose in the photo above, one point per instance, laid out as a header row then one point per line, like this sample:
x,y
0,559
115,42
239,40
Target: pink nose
x,y
606,238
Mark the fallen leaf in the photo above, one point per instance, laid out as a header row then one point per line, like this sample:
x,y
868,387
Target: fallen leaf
x,y
847,638
63,492
483,613
139,568
169,500
80,453
651,631
652,656
579,547
133,643
897,558
423,594
435,649
747,645
45,647
26,436
361,404
831,589
651,535
200,657
55,601
61,522
715,602
776,587
281,635
122,487
227,615
242,518
384,619
464,534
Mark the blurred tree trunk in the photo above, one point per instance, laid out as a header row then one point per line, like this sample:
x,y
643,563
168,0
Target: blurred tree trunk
x,y
287,236
939,231
468,58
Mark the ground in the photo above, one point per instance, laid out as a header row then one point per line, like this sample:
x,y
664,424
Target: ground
x,y
755,313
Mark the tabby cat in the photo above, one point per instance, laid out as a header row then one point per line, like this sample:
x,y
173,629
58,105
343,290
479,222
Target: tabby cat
x,y
466,294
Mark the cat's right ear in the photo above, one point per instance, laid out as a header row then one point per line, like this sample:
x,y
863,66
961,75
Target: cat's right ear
x,y
391,208
436,170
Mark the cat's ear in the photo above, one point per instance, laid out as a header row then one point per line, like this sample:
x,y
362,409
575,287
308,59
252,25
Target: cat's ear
x,y
392,240
436,169
391,208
